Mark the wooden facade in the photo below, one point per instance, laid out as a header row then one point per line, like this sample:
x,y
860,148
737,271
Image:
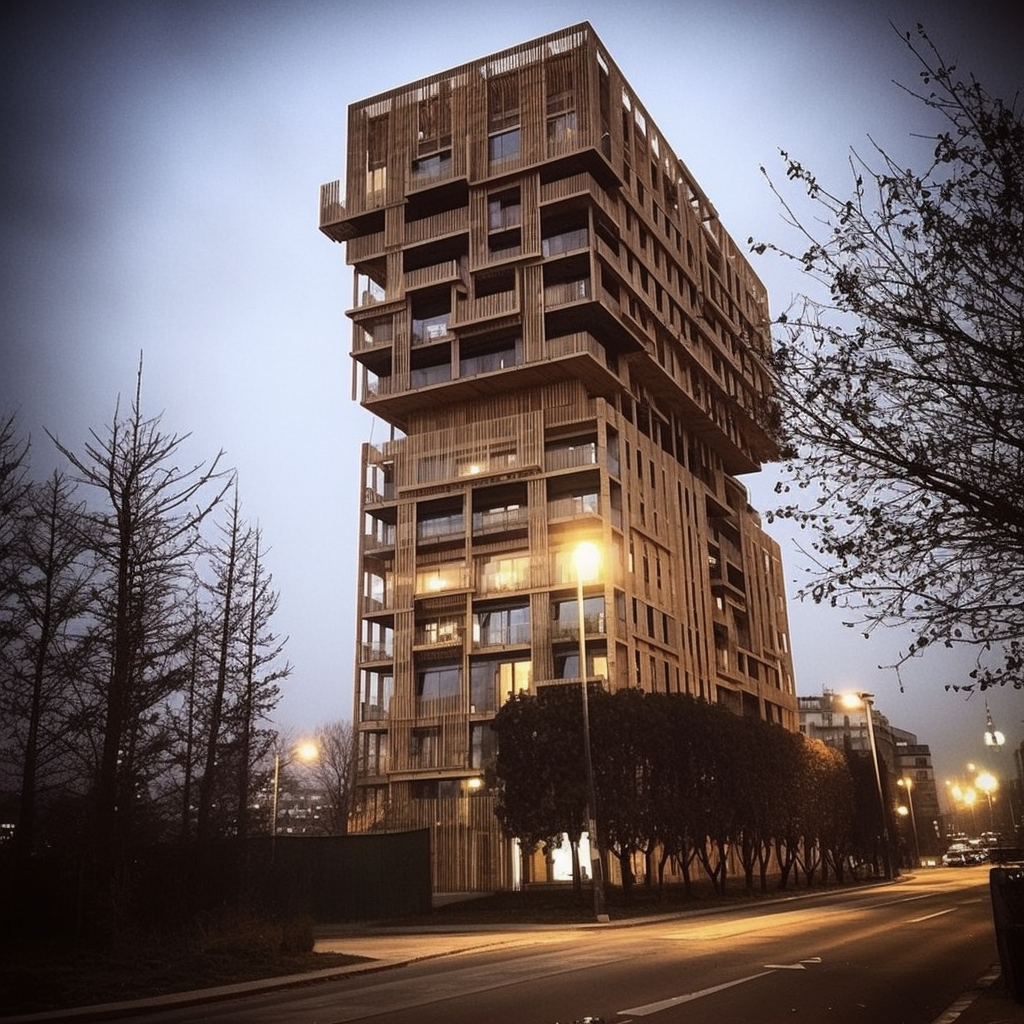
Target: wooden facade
x,y
567,345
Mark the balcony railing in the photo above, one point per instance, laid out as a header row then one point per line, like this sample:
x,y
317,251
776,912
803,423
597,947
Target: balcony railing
x,y
430,329
566,291
332,208
378,603
373,712
504,636
567,241
444,636
578,505
499,520
375,652
594,625
437,273
568,458
490,363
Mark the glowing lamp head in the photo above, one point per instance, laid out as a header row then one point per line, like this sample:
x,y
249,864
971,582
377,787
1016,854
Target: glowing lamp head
x,y
307,751
586,559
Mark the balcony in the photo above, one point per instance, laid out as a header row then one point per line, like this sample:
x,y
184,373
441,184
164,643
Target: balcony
x,y
376,604
436,273
516,635
373,712
436,580
593,625
370,652
566,292
570,456
430,330
468,311
442,634
500,520
574,507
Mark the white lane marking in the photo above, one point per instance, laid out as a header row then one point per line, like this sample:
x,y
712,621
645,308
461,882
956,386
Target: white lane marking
x,y
643,1011
801,966
953,1013
928,917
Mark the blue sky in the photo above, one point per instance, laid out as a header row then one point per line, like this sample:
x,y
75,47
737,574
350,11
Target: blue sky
x,y
159,192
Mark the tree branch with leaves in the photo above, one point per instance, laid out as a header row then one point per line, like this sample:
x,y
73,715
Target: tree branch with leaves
x,y
901,390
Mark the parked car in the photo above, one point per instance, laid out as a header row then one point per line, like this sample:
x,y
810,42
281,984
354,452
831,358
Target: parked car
x,y
956,859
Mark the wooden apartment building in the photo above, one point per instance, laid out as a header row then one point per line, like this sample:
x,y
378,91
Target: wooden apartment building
x,y
566,345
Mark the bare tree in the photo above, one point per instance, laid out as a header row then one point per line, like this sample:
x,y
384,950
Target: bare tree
x,y
51,596
334,772
144,532
226,559
902,392
262,670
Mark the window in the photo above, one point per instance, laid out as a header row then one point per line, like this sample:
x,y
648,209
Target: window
x,y
483,745
503,146
567,665
435,119
374,752
439,631
375,690
506,573
439,680
565,616
561,101
504,210
376,154
503,102
436,578
430,168
493,681
502,626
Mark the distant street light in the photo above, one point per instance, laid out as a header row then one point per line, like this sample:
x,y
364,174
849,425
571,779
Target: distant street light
x,y
988,784
851,700
587,561
306,751
908,784
965,797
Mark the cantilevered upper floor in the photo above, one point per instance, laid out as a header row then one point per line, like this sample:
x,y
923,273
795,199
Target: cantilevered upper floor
x,y
521,219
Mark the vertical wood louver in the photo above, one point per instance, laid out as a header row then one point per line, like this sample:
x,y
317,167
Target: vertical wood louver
x,y
566,344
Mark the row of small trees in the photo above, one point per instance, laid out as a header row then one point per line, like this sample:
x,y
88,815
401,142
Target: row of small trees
x,y
138,659
678,778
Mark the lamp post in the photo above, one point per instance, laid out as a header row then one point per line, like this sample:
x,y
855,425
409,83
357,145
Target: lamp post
x,y
907,783
994,738
586,559
988,784
866,699
305,752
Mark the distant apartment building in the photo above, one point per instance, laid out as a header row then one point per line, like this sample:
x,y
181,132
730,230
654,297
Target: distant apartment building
x,y
566,345
920,791
908,763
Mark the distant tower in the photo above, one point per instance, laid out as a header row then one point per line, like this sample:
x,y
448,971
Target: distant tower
x,y
567,346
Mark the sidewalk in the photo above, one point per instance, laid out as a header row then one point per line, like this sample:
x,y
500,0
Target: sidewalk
x,y
989,1002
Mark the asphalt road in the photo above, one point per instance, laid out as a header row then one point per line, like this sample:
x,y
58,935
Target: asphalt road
x,y
895,954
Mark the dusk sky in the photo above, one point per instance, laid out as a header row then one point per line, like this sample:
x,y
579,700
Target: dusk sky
x,y
160,191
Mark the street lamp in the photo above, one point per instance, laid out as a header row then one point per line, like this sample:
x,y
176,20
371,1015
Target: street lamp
x,y
994,738
908,784
305,751
587,560
851,700
988,784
